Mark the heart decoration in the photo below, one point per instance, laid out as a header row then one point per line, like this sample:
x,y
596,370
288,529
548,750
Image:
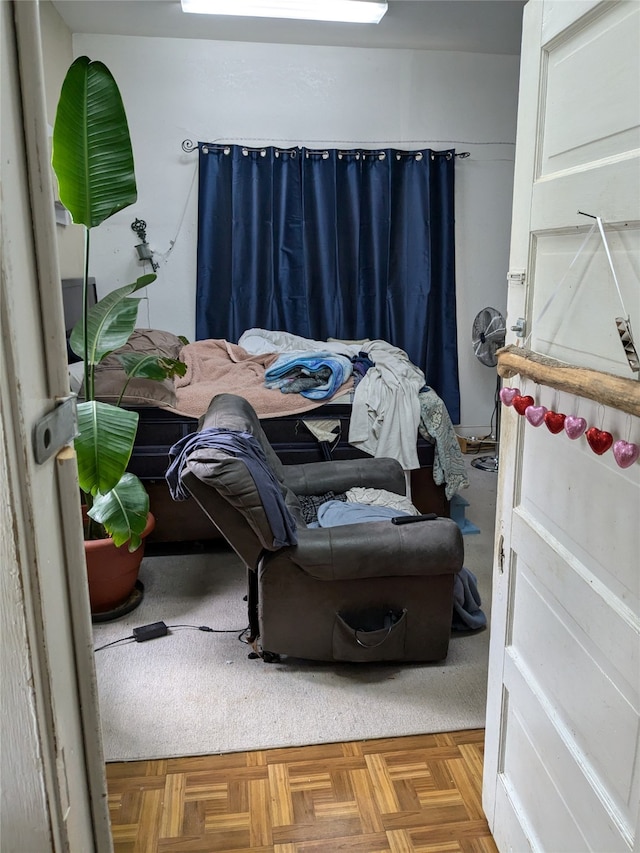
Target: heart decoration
x,y
574,426
535,414
507,395
599,440
555,421
626,453
521,404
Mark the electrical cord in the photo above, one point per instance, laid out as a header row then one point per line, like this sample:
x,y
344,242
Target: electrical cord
x,y
114,642
243,636
490,435
205,628
494,417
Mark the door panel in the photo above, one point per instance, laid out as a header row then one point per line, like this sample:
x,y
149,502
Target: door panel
x,y
583,119
608,640
562,769
571,330
594,695
538,780
591,513
555,204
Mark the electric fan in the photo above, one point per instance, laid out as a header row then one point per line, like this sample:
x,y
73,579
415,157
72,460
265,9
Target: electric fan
x,y
488,334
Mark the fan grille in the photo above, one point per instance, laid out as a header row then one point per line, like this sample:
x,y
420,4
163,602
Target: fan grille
x,y
488,335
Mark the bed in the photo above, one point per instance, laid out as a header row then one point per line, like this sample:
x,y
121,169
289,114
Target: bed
x,y
300,428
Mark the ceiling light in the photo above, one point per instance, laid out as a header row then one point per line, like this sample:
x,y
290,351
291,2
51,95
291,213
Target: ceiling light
x,y
348,11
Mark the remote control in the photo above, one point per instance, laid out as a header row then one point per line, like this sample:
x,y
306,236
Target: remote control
x,y
409,519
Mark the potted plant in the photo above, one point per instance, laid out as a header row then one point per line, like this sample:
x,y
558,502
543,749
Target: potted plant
x,y
94,167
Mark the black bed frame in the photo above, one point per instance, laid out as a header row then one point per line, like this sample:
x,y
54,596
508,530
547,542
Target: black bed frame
x,y
158,429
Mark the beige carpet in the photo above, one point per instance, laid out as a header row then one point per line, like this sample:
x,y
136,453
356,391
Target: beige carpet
x,y
192,692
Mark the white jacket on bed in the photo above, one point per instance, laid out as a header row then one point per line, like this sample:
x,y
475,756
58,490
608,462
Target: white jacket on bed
x,y
386,406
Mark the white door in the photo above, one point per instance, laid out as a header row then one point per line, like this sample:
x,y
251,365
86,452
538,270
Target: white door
x,y
53,793
562,769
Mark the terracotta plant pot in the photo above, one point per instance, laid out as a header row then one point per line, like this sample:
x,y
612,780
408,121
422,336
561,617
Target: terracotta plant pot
x,y
112,572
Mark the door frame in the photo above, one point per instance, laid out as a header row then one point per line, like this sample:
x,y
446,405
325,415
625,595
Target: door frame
x,y
54,665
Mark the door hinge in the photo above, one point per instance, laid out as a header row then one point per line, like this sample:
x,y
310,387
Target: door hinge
x,y
55,429
516,276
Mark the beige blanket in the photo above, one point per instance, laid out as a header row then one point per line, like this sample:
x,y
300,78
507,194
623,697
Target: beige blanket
x,y
216,366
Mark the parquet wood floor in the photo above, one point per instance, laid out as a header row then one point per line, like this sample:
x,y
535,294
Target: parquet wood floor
x,y
420,793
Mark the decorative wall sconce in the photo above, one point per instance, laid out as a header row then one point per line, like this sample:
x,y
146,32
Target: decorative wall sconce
x,y
145,253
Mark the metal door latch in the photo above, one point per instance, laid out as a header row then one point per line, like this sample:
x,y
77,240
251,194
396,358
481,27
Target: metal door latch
x,y
516,276
519,327
55,429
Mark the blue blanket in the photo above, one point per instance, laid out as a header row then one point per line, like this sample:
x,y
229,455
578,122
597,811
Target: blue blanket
x,y
290,366
335,513
248,449
467,615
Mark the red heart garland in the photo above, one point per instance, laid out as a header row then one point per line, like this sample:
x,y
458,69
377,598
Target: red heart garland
x,y
554,421
599,440
521,404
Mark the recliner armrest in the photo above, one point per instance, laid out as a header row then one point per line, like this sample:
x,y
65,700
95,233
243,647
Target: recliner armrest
x,y
316,478
379,549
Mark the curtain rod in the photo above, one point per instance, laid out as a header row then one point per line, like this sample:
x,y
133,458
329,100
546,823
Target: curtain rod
x,y
188,145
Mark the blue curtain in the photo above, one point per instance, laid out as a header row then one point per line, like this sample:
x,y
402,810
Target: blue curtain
x,y
331,244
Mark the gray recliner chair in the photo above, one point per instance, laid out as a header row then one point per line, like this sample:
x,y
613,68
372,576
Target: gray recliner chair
x,y
374,591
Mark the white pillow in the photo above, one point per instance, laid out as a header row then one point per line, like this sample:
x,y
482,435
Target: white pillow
x,y
381,497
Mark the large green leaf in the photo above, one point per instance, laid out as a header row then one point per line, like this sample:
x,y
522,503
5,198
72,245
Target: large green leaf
x,y
148,366
151,365
123,511
92,155
110,322
104,444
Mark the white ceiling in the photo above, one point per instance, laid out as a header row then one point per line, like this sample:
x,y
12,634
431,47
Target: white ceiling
x,y
478,26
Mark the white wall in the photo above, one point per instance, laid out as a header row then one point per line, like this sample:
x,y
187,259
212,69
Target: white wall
x,y
288,94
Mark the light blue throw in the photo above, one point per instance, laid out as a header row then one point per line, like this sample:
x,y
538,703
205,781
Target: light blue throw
x,y
339,365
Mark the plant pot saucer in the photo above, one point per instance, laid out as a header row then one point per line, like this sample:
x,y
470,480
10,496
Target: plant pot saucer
x,y
134,600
